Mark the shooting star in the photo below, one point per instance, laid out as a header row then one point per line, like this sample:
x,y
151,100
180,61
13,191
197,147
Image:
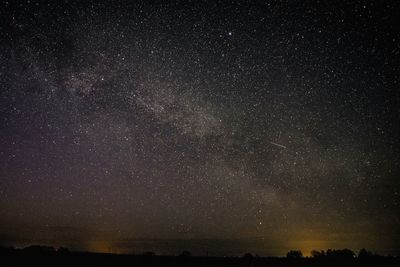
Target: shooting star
x,y
275,144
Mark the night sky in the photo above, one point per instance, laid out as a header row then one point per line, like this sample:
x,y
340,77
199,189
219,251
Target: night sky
x,y
211,126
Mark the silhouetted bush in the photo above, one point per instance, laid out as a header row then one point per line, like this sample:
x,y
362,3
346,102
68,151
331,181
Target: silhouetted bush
x,y
363,253
318,254
340,253
294,254
39,249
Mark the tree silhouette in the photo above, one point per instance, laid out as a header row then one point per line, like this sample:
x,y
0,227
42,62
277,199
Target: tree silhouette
x,y
340,253
318,254
363,253
39,249
294,254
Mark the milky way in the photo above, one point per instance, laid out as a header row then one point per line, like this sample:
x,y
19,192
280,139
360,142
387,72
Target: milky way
x,y
219,127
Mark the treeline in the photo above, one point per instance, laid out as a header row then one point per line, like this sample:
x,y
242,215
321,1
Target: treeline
x,y
333,254
341,254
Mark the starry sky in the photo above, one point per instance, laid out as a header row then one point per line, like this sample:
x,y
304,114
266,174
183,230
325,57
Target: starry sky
x,y
212,126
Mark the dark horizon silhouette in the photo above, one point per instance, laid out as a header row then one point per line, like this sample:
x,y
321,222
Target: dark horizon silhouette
x,y
41,255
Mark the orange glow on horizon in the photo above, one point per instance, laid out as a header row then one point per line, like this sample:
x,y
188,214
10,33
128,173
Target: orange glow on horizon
x,y
100,246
